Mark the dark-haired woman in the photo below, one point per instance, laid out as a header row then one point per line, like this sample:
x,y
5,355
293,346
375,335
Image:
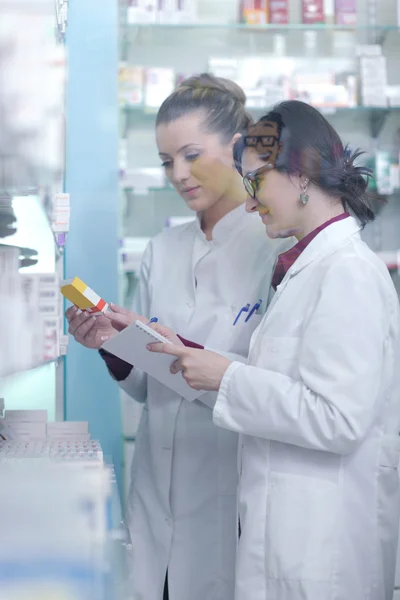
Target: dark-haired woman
x,y
317,406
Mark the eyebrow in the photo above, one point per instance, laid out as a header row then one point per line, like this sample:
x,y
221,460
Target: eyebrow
x,y
180,149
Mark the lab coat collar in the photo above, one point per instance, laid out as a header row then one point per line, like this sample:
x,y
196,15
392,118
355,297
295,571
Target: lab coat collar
x,y
324,244
233,221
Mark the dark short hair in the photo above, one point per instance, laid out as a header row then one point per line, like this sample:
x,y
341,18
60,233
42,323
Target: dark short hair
x,y
313,148
222,101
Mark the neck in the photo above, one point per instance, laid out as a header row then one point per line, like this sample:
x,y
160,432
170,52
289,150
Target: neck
x,y
234,197
318,215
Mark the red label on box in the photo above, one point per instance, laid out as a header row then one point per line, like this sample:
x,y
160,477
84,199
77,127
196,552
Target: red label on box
x,y
312,11
279,12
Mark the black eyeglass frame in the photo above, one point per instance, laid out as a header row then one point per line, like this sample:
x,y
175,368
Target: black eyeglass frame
x,y
252,180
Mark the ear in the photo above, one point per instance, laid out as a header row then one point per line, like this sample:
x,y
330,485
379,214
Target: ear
x,y
235,138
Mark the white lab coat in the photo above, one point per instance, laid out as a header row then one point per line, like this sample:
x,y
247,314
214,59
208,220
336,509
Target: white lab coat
x,y
182,508
319,416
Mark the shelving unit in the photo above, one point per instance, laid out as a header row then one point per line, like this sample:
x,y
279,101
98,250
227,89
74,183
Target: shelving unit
x,y
31,179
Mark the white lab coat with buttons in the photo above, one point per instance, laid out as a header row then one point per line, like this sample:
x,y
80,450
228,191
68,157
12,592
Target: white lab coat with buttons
x,y
318,410
182,508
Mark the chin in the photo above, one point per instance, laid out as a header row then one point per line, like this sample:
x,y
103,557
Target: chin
x,y
275,234
198,204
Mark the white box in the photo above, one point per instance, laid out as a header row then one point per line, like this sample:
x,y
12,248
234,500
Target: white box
x,y
28,431
68,427
26,416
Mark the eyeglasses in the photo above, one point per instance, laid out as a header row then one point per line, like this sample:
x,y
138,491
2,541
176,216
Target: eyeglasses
x,y
266,141
252,180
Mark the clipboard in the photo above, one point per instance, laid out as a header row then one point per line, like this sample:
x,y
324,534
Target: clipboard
x,y
130,345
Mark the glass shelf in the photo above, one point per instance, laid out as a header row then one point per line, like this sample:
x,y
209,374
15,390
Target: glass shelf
x,y
270,27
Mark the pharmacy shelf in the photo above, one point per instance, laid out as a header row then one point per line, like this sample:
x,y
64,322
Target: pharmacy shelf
x,y
375,115
9,225
27,255
269,27
32,367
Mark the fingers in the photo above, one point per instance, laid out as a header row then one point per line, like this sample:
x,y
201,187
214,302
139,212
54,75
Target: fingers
x,y
118,309
77,321
176,367
72,312
161,329
82,331
171,349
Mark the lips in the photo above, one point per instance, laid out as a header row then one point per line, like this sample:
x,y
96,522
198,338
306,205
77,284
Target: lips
x,y
190,192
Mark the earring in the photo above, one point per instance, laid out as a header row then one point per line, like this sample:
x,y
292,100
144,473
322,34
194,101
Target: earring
x,y
304,197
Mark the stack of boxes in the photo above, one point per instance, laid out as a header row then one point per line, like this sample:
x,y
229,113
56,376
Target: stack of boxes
x,y
26,434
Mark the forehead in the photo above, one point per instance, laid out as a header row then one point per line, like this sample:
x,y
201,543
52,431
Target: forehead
x,y
184,131
262,128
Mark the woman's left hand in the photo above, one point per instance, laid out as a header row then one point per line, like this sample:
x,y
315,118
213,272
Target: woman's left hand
x,y
202,369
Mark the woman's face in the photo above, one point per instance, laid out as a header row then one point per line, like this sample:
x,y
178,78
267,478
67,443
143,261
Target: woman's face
x,y
183,142
277,199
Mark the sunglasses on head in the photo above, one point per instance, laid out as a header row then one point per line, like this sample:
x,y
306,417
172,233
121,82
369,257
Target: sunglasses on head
x,y
252,180
266,141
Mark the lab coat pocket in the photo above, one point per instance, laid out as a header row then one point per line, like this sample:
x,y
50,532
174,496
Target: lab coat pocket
x,y
300,528
242,333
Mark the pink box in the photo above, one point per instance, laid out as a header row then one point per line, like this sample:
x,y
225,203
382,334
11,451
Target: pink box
x,y
279,12
346,12
312,11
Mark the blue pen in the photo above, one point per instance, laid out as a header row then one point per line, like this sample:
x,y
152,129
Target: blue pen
x,y
243,309
254,309
153,320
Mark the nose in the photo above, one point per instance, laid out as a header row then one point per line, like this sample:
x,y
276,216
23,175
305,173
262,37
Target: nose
x,y
251,204
180,172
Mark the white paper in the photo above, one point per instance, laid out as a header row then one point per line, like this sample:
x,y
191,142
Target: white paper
x,y
130,345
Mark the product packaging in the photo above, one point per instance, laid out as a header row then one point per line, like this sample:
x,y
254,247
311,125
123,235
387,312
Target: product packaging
x,y
254,12
131,85
279,12
82,296
159,85
346,12
329,11
312,11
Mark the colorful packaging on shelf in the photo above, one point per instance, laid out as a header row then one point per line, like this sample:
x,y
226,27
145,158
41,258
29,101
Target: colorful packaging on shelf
x,y
278,12
346,12
312,11
130,85
254,12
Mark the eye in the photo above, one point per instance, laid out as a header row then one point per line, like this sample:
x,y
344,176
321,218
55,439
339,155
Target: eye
x,y
192,157
166,164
